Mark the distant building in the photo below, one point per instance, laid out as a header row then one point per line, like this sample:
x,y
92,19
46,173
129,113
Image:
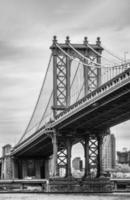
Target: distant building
x,y
77,167
123,157
6,162
77,164
108,152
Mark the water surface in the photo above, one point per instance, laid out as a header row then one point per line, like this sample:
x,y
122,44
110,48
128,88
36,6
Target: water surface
x,y
23,196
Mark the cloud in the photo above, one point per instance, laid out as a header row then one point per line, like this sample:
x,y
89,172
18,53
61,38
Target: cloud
x,y
108,14
14,50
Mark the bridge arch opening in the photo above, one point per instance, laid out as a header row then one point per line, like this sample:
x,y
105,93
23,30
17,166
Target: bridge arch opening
x,y
77,160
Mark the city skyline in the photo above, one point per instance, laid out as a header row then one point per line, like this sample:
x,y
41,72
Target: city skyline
x,y
26,31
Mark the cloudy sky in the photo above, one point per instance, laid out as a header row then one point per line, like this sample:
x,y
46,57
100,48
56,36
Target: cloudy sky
x,y
26,31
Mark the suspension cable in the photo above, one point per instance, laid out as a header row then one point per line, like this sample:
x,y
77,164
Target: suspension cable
x,y
38,123
88,65
75,75
112,54
26,130
99,54
86,58
80,92
45,109
72,58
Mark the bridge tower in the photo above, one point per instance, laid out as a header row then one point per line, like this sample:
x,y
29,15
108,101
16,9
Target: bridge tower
x,y
63,141
62,70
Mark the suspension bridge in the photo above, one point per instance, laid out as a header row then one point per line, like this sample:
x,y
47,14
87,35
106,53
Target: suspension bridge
x,y
81,98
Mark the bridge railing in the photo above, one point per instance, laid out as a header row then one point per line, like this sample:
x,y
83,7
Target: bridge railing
x,y
109,73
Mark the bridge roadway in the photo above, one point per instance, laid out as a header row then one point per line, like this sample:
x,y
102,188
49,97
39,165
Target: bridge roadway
x,y
105,107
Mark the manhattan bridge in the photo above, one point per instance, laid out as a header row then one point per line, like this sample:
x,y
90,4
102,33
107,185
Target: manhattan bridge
x,y
84,93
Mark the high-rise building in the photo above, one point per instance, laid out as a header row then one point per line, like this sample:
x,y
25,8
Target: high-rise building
x,y
108,152
123,157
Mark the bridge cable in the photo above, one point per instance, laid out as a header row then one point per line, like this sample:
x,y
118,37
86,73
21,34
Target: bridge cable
x,y
116,65
112,54
86,58
26,130
100,54
45,110
80,91
106,68
72,58
88,65
75,75
43,115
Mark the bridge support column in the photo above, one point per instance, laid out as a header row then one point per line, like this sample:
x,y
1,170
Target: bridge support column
x,y
14,168
100,164
86,150
54,142
93,153
93,156
61,156
69,146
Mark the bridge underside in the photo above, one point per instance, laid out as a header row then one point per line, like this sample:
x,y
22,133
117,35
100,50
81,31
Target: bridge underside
x,y
41,148
104,113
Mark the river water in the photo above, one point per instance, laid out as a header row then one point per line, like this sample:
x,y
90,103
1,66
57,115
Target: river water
x,y
23,196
